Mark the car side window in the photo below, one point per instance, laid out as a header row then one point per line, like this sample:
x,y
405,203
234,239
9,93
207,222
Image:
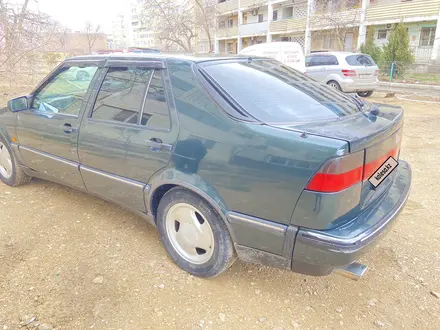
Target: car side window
x,y
65,92
122,94
155,113
124,98
331,60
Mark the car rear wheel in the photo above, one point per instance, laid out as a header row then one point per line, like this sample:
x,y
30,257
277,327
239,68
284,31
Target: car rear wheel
x,y
11,172
82,75
334,84
194,235
365,94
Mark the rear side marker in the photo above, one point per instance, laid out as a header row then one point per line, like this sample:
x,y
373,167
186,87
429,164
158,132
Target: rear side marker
x,y
383,171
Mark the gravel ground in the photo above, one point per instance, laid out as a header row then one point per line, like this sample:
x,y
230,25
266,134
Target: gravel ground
x,y
71,261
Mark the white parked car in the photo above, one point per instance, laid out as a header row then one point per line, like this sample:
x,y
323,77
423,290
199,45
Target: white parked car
x,y
348,72
288,53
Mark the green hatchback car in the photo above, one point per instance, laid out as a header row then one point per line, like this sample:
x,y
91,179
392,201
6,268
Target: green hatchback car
x,y
228,157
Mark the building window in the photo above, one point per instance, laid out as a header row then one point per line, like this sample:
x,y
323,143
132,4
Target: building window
x,y
230,23
381,34
275,15
260,18
329,42
135,23
427,36
287,12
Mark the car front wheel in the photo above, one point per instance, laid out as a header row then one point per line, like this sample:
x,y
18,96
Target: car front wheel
x,y
194,235
11,172
365,94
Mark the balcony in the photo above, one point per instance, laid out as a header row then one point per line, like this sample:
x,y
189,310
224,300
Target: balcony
x,y
422,54
288,25
227,6
227,32
253,3
393,11
253,29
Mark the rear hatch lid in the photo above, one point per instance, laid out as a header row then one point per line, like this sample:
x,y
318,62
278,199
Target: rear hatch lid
x,y
364,67
278,96
378,136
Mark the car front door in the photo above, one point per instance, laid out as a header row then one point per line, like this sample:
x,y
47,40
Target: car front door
x,y
128,133
48,131
315,68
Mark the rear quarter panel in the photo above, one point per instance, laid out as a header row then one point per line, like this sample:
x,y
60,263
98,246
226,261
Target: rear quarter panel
x,y
254,169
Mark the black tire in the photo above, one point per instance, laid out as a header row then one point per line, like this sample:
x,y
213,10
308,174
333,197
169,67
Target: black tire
x,y
365,94
18,177
223,253
334,84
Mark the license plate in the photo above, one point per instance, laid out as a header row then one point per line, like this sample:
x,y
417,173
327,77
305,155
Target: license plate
x,y
364,76
383,171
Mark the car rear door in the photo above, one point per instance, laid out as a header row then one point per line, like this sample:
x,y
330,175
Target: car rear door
x,y
48,131
129,131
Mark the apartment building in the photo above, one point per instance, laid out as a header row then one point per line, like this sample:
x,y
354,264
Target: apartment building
x,y
327,24
128,30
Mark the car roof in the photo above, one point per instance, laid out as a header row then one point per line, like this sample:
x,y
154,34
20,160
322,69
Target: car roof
x,y
335,53
155,56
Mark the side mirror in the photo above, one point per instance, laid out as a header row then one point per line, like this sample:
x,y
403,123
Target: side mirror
x,y
18,104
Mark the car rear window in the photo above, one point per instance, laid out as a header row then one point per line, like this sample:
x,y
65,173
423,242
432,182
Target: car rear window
x,y
360,60
274,93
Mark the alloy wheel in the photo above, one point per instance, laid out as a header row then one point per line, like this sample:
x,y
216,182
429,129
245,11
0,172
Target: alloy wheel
x,y
5,162
190,233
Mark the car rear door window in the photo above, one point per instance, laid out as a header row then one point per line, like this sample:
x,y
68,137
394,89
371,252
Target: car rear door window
x,y
156,113
317,60
274,93
121,95
134,96
360,60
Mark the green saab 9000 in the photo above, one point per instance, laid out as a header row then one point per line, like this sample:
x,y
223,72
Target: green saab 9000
x,y
227,157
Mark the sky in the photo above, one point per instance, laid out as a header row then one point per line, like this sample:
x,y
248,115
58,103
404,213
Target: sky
x,y
74,13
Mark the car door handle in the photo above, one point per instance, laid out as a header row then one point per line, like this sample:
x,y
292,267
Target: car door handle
x,y
68,129
157,145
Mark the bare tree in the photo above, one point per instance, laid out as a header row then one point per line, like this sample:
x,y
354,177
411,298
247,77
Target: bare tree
x,y
92,34
333,19
177,22
22,32
61,36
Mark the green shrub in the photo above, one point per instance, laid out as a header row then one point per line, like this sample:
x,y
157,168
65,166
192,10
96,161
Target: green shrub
x,y
397,50
370,48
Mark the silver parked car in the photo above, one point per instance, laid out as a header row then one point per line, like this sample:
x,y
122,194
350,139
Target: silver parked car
x,y
348,72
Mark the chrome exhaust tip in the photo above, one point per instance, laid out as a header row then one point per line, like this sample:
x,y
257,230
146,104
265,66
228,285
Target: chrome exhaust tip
x,y
353,271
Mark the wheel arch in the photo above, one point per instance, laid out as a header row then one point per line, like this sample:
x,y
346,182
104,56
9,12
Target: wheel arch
x,y
170,179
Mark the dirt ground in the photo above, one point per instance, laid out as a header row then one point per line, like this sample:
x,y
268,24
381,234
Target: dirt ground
x,y
76,262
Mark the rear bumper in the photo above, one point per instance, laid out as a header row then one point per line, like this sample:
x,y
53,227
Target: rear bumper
x,y
348,85
320,252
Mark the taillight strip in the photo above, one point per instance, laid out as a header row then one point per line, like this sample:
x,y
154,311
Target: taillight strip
x,y
331,179
328,183
374,165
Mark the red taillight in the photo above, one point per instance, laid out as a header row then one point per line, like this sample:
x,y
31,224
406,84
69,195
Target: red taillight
x,y
341,173
376,73
349,73
338,174
372,166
